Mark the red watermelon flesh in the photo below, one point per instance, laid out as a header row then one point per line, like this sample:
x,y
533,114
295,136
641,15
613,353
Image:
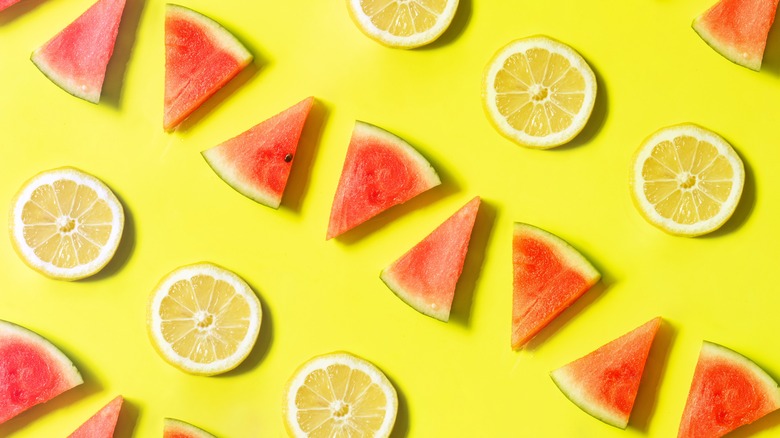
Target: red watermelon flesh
x,y
200,57
7,3
173,428
257,163
605,382
425,277
380,171
549,275
728,391
738,29
103,423
32,370
76,58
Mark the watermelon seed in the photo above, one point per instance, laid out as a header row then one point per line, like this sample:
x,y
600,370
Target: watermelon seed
x,y
66,224
288,158
340,409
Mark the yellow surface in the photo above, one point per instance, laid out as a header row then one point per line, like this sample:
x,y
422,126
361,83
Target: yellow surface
x,y
455,379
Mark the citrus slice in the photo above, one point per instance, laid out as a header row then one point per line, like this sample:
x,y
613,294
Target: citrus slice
x,y
402,23
686,180
203,319
538,92
65,224
339,394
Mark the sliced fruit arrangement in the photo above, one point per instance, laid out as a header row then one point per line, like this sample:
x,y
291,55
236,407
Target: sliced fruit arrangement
x,y
65,223
103,423
380,171
402,23
425,277
605,382
549,275
173,428
339,394
203,319
257,163
686,180
538,92
728,391
76,58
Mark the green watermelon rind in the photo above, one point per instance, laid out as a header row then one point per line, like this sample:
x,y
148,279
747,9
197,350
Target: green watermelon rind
x,y
182,427
222,167
729,52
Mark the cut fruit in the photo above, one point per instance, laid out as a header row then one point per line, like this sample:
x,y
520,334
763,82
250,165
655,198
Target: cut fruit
x,y
549,275
538,92
425,277
76,58
66,224
686,180
203,319
103,423
402,23
380,171
339,394
173,428
605,382
200,57
32,370
257,163
728,391
738,29
4,4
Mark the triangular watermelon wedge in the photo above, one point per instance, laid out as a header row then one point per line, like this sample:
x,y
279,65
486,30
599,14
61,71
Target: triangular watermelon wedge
x,y
549,275
257,162
32,370
103,423
76,58
173,428
605,382
200,57
380,171
728,391
4,4
425,277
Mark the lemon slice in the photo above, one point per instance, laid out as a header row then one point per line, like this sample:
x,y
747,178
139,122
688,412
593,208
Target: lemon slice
x,y
339,395
65,224
402,23
686,180
538,92
203,319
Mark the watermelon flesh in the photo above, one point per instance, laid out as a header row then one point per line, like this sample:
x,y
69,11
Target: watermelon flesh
x,y
7,3
728,391
380,171
200,57
173,428
549,275
103,423
32,370
257,163
76,58
738,29
605,382
426,276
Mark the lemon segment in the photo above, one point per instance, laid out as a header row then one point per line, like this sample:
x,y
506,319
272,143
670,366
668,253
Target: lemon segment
x,y
402,23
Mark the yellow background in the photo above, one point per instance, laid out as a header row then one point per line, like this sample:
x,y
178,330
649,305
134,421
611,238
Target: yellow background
x,y
457,379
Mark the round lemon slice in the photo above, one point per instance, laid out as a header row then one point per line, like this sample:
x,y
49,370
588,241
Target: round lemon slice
x,y
339,394
686,180
203,319
65,223
538,92
402,23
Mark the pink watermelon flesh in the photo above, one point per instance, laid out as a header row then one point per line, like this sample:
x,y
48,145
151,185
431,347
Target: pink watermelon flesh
x,y
173,428
257,163
32,370
76,58
102,424
728,391
200,57
549,275
605,382
425,277
738,29
7,3
380,171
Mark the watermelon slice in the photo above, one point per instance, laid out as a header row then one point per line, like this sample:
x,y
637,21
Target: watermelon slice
x,y
257,163
738,29
7,3
380,171
604,383
32,370
425,277
103,423
173,428
200,57
728,391
549,275
76,58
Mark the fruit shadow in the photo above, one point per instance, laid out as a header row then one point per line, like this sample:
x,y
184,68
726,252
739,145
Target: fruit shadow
x,y
19,9
747,203
401,427
262,345
771,62
597,117
117,66
456,27
123,251
128,419
655,368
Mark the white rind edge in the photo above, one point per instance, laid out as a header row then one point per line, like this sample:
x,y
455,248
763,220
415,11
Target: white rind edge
x,y
568,386
713,350
226,171
563,249
218,33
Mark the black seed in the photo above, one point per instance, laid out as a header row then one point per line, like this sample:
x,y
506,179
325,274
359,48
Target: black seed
x,y
288,158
